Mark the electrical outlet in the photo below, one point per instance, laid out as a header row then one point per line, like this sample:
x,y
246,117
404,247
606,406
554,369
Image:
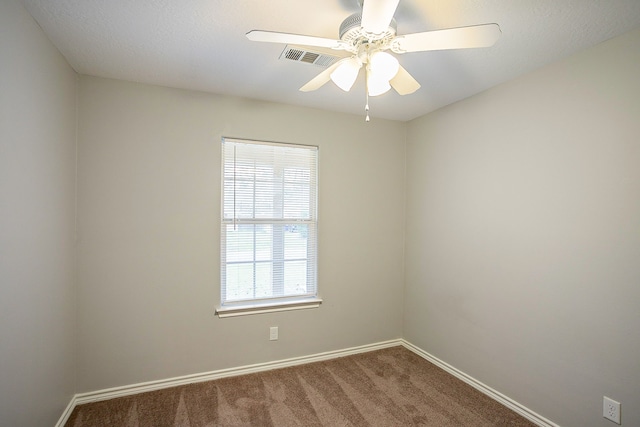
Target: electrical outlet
x,y
273,333
611,410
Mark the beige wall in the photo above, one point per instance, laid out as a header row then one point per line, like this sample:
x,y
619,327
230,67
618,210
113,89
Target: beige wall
x,y
522,232
37,216
149,209
523,235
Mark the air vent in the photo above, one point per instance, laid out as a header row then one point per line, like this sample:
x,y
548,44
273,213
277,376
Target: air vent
x,y
297,54
309,57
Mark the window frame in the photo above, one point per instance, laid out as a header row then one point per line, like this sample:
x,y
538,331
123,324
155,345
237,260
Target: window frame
x,y
230,308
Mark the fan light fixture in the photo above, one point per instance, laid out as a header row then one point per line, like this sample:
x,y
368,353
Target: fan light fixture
x,y
381,68
384,64
377,86
346,74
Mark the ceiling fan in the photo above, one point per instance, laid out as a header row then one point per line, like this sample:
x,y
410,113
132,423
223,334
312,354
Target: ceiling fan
x,y
367,35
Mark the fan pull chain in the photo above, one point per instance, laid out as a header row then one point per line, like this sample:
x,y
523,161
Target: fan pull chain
x,y
366,110
366,90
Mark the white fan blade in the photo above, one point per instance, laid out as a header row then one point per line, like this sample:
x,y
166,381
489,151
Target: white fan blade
x,y
454,38
377,15
322,78
404,83
286,38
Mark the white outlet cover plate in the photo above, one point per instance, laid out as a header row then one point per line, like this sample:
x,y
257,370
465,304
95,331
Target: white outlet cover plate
x,y
273,333
611,409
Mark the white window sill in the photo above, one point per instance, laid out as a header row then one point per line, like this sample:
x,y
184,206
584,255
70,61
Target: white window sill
x,y
270,307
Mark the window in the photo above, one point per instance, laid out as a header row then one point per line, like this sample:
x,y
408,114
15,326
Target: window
x,y
269,227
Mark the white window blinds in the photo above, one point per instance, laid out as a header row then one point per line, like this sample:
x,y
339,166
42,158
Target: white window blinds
x,y
269,225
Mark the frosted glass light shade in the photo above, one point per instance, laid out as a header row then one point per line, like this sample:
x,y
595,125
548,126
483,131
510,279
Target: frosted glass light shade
x,y
345,75
384,65
377,86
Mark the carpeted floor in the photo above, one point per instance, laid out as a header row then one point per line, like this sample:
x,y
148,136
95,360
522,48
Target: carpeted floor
x,y
389,387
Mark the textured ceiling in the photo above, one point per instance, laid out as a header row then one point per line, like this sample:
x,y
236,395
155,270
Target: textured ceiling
x,y
201,44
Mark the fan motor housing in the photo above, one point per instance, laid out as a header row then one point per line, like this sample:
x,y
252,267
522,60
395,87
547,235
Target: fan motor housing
x,y
351,31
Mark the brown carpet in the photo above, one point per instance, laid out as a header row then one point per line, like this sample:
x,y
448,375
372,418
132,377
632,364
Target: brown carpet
x,y
389,387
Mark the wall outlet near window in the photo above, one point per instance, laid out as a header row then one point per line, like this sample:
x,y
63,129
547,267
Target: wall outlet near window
x,y
611,410
273,333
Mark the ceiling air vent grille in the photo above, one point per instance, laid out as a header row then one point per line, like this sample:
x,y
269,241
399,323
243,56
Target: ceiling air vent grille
x,y
299,55
309,57
293,54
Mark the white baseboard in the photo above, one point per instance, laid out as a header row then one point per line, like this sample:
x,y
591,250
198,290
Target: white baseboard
x,y
67,412
494,394
111,393
129,390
